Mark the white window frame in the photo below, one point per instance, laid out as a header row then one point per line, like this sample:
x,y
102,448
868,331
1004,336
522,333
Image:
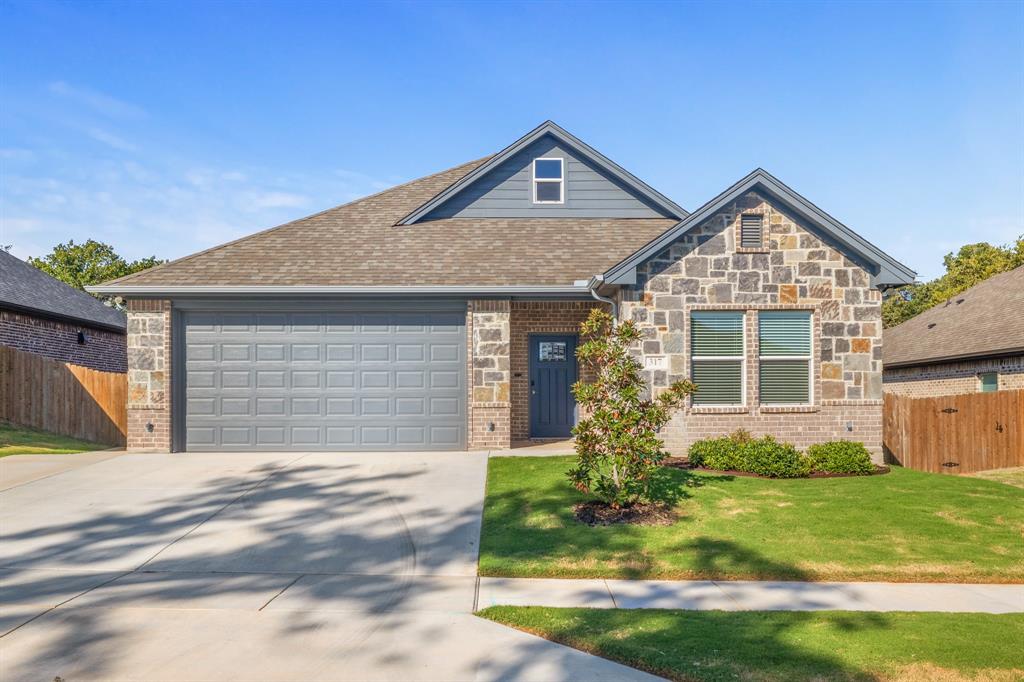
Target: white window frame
x,y
730,358
809,358
560,181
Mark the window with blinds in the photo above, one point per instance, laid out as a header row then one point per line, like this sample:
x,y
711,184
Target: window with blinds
x,y
785,357
750,231
717,357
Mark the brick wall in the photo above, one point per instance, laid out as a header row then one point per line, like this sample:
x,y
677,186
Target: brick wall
x,y
537,317
953,378
487,330
796,270
149,379
103,350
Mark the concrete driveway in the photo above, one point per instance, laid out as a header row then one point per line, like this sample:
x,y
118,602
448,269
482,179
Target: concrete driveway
x,y
258,567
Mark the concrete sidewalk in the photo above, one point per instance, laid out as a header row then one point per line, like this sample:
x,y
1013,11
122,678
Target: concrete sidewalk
x,y
741,595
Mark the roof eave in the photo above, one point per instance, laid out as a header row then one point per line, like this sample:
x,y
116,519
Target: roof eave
x,y
963,357
331,290
61,317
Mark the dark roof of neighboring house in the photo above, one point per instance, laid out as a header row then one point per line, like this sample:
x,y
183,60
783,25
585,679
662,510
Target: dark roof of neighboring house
x,y
25,288
985,320
359,244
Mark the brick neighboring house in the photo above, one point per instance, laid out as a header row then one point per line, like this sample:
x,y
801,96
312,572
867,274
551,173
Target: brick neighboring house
x,y
442,313
973,342
42,315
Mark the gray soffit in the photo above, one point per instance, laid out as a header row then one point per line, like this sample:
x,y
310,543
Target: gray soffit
x,y
27,289
442,290
888,271
560,134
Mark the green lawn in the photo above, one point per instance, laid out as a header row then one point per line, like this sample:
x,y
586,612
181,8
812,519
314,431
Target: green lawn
x,y
903,526
768,646
20,440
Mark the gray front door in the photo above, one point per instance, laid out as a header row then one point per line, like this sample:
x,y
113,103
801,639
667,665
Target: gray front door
x,y
325,380
552,374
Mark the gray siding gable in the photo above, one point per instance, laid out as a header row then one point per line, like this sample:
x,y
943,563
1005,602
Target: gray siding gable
x,y
506,191
604,169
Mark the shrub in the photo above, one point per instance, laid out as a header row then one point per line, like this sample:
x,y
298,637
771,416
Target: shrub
x,y
840,457
768,457
617,445
741,452
716,453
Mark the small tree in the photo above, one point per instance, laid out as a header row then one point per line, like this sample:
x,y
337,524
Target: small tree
x,y
90,263
617,444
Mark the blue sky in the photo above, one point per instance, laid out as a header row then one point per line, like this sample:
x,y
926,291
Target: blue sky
x,y
165,128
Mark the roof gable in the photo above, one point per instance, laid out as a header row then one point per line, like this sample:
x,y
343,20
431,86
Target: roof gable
x,y
596,186
886,270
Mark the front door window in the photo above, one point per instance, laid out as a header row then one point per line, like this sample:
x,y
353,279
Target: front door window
x,y
552,351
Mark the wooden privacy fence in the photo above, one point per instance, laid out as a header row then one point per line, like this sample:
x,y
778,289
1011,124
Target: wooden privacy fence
x,y
63,398
957,433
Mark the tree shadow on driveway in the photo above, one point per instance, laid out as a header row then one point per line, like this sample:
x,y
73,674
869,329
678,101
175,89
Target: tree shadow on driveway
x,y
309,547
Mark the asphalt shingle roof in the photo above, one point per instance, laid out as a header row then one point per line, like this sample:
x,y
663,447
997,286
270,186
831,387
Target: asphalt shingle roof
x,y
987,319
359,244
27,288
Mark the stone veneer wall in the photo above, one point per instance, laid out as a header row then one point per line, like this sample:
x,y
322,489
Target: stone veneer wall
x,y
795,270
149,375
488,334
953,378
103,350
538,317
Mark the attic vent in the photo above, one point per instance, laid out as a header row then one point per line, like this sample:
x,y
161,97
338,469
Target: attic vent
x,y
931,325
751,231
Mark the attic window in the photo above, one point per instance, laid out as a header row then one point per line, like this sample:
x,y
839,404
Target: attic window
x,y
751,234
548,181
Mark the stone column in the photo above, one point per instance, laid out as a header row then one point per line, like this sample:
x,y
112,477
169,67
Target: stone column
x,y
489,405
149,375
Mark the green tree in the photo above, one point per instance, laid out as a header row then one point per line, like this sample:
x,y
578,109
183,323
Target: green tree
x,y
972,264
617,444
93,262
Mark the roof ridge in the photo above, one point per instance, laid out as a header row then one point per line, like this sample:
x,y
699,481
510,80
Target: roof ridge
x,y
183,259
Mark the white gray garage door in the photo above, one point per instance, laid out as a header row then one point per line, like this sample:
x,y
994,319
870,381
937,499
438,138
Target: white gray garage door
x,y
325,381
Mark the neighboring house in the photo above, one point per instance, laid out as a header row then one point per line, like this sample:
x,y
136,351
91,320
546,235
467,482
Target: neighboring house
x,y
42,315
973,342
443,313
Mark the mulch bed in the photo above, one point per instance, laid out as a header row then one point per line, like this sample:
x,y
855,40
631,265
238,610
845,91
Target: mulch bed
x,y
641,514
683,463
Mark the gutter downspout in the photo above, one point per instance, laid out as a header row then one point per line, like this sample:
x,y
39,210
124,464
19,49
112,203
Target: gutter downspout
x,y
595,282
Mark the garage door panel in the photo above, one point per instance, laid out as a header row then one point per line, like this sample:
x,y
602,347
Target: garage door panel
x,y
366,380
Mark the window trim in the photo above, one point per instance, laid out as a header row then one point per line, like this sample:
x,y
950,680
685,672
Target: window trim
x,y
560,181
809,359
981,382
722,358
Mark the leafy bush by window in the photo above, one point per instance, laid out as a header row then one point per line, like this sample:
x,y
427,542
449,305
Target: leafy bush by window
x,y
840,457
740,452
768,457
